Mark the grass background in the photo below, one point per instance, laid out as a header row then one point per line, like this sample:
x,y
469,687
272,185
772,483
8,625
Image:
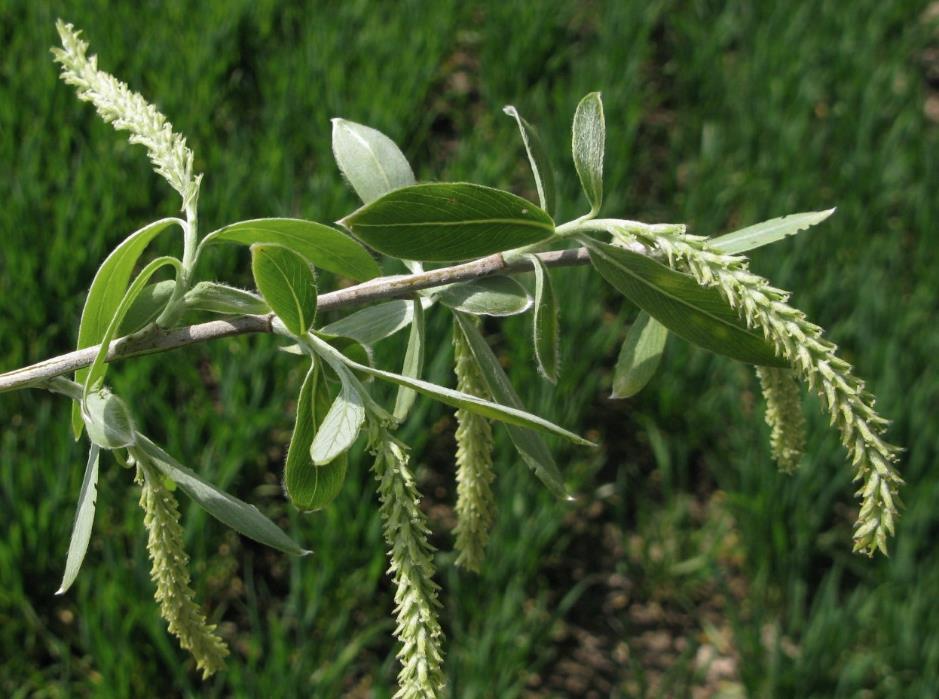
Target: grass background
x,y
688,567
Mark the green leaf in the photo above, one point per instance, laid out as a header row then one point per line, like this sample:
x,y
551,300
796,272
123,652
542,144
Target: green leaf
x,y
447,222
531,447
639,356
311,487
106,291
147,307
84,520
370,160
456,399
538,158
288,284
767,232
99,367
489,296
413,362
322,245
373,324
227,509
221,298
546,323
107,420
696,313
342,422
589,137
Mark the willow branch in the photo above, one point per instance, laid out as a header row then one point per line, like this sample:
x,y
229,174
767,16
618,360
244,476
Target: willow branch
x,y
158,340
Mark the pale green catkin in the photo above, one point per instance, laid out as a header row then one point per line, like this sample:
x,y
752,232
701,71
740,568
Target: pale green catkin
x,y
475,503
170,574
128,111
412,570
783,415
814,358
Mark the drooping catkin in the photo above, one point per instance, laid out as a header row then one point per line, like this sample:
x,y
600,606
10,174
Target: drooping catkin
x,y
783,415
412,570
849,404
126,110
475,503
170,574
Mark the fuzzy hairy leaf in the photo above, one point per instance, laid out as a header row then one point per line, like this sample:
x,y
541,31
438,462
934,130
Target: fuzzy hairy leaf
x,y
147,307
767,232
375,323
413,362
540,164
84,520
696,313
489,296
639,356
371,162
107,420
588,143
324,246
227,300
288,284
227,509
106,292
448,222
546,323
341,425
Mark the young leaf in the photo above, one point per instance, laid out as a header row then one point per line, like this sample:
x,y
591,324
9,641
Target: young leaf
x,y
767,232
538,158
147,307
639,356
589,137
324,246
107,420
530,445
456,399
311,487
489,296
84,520
342,423
227,509
546,323
696,313
447,222
288,284
413,362
373,324
106,291
221,298
370,160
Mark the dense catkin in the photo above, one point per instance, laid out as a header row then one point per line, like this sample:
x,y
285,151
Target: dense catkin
x,y
126,110
475,503
783,415
170,573
412,570
849,404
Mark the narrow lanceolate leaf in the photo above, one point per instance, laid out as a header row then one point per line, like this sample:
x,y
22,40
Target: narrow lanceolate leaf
x,y
227,509
227,300
147,307
489,296
547,330
509,415
413,363
287,283
589,138
311,487
767,232
370,160
342,423
107,420
448,222
529,444
538,158
106,291
639,356
324,246
373,324
698,314
84,519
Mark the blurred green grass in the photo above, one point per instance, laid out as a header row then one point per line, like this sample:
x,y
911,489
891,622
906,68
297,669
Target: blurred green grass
x,y
719,114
